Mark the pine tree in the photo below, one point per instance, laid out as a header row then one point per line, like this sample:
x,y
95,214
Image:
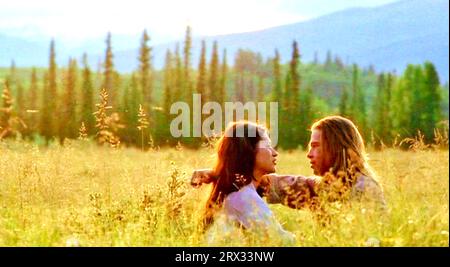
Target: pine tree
x,y
305,116
213,82
381,109
294,98
33,91
285,130
201,80
358,103
432,99
50,98
146,80
31,115
108,73
20,100
223,79
145,72
277,91
87,102
168,84
179,95
186,81
68,125
132,99
126,135
388,108
402,104
277,96
417,88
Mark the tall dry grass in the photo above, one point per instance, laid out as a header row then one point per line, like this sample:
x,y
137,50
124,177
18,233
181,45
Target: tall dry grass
x,y
81,194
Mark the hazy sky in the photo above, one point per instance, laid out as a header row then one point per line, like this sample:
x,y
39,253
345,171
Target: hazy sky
x,y
166,18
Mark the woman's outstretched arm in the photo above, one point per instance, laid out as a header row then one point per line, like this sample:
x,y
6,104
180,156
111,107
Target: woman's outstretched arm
x,y
295,191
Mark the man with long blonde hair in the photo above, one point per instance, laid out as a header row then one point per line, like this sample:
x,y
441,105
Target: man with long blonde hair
x,y
337,155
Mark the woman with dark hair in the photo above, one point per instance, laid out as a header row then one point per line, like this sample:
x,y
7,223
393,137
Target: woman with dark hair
x,y
244,157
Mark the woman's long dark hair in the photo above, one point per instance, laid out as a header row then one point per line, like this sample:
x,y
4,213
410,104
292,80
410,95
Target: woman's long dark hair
x,y
235,163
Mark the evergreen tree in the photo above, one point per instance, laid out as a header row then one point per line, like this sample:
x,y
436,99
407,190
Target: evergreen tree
x,y
186,80
381,109
277,91
20,101
179,95
201,80
223,79
126,112
187,84
108,73
285,130
245,68
294,98
135,100
33,91
432,100
402,103
388,134
417,114
213,83
358,103
87,99
145,72
68,126
168,83
31,115
305,116
50,99
277,96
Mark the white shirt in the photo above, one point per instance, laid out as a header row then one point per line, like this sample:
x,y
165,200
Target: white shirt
x,y
245,207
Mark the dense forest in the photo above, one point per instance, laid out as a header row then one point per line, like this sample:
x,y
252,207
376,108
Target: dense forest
x,y
77,101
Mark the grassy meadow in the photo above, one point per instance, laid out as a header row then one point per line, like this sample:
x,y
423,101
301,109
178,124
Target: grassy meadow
x,y
80,194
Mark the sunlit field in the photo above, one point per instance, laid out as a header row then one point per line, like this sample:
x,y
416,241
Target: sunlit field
x,y
85,195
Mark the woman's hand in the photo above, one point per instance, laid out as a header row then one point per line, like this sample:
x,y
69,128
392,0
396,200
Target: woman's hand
x,y
202,176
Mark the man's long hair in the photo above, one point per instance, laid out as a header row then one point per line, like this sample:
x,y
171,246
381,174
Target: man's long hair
x,y
235,164
344,147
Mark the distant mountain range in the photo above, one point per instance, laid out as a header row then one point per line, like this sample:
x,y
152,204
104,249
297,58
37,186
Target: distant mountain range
x,y
388,37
